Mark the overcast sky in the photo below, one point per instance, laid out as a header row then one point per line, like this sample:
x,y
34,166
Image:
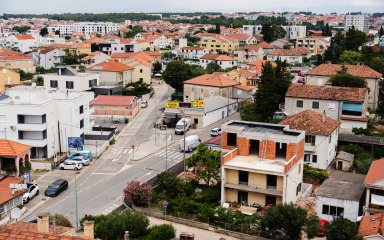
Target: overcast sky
x,y
226,6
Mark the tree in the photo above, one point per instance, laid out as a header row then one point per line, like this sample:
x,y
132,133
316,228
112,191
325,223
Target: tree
x,y
212,67
380,107
381,32
138,193
157,66
350,58
67,37
59,220
161,232
267,32
290,220
217,29
57,32
168,184
327,30
44,31
344,79
364,164
377,64
354,39
341,229
176,73
168,55
21,29
208,161
70,60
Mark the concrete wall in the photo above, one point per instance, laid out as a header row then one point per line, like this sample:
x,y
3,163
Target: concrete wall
x,y
36,164
80,82
351,208
293,178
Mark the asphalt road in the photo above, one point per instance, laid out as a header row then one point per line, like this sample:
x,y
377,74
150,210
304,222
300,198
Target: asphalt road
x,y
101,183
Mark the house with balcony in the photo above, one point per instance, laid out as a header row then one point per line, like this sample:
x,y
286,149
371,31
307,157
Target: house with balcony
x,y
374,187
264,164
17,63
218,43
224,61
193,52
317,45
48,57
252,53
43,118
292,56
344,104
112,73
321,74
25,43
321,135
68,79
94,58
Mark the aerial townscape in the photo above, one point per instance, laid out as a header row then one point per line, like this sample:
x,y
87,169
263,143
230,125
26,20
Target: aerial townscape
x,y
264,123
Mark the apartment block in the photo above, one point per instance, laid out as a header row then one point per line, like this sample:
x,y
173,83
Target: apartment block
x,y
264,164
361,22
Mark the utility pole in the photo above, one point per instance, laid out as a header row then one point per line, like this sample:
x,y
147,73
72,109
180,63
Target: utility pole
x,y
184,146
166,148
155,122
58,129
77,216
228,101
96,148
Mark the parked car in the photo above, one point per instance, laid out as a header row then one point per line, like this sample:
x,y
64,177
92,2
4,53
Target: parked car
x,y
85,154
32,191
56,188
179,129
295,71
71,165
301,74
323,229
81,159
301,80
144,104
191,143
215,132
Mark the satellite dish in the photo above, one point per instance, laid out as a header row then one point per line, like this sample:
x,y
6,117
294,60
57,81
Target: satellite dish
x,y
15,213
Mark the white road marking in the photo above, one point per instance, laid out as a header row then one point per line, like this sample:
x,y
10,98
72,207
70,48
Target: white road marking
x,y
125,151
130,151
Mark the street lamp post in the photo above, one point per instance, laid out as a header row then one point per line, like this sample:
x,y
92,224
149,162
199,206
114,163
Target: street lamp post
x,y
149,205
77,217
166,147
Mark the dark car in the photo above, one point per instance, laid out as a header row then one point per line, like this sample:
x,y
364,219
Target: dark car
x,y
56,188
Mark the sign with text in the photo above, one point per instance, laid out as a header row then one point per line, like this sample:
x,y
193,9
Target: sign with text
x,y
75,143
185,105
199,104
172,104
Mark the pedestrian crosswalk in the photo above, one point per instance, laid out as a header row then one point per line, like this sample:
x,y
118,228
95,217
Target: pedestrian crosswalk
x,y
172,154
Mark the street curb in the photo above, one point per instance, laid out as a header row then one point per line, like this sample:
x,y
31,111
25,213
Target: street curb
x,y
150,155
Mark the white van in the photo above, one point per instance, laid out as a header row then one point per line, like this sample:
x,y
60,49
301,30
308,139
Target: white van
x,y
191,143
179,129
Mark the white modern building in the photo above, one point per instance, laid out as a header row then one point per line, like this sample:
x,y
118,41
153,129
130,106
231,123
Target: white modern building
x,y
295,32
48,57
47,40
44,119
251,30
24,43
361,22
86,27
193,52
68,79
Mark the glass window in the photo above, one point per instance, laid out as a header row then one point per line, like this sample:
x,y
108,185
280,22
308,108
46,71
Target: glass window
x,y
115,108
314,158
101,108
332,210
299,103
325,209
53,84
69,84
310,139
315,105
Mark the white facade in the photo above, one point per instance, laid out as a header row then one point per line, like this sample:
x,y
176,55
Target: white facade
x,y
25,45
195,53
86,27
47,40
251,30
290,59
48,59
294,32
351,208
33,116
223,64
361,22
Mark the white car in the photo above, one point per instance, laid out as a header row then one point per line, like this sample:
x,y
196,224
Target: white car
x,y
71,165
144,104
32,191
215,132
81,159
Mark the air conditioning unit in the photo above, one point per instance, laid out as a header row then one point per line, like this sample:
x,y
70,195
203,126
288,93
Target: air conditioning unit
x,y
13,127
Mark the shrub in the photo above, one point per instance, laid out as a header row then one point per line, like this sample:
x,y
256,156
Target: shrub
x,y
60,220
361,131
138,193
112,141
315,174
160,232
363,165
354,149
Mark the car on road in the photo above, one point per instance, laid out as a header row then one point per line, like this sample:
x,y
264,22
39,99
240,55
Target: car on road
x,y
295,71
301,80
215,132
32,191
323,229
56,188
71,165
144,104
82,160
301,74
85,154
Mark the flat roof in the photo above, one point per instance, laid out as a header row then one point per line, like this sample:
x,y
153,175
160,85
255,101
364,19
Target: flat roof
x,y
271,129
253,162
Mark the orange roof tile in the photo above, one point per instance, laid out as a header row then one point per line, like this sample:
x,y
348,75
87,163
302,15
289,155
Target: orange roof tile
x,y
113,100
16,57
261,62
212,80
372,225
217,57
33,227
82,45
58,45
6,191
12,149
10,233
24,37
95,40
376,172
332,69
6,51
110,66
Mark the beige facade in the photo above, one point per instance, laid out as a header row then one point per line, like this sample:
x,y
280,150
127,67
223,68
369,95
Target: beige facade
x,y
192,92
7,78
19,64
108,78
130,110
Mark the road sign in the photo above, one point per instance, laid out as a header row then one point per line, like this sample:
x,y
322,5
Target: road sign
x,y
133,146
165,206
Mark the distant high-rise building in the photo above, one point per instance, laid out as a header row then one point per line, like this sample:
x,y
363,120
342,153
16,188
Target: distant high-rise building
x,y
361,22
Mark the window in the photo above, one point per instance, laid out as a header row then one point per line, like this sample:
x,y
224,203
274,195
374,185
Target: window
x,y
81,123
332,210
232,139
101,108
141,70
115,108
53,83
315,105
332,106
1,208
243,177
202,92
298,189
314,158
2,118
141,79
69,84
196,121
92,82
299,103
310,139
81,109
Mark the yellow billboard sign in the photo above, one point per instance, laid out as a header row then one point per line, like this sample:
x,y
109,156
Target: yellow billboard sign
x,y
198,104
172,104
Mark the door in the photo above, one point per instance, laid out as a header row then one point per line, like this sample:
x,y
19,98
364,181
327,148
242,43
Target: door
x,y
340,165
271,181
319,81
270,200
242,197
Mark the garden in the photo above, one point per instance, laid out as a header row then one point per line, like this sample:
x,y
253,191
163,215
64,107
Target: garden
x,y
137,89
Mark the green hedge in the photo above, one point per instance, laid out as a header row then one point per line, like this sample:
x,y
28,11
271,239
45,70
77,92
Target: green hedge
x,y
315,174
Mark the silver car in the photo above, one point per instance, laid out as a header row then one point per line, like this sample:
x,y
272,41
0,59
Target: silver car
x,y
82,160
71,165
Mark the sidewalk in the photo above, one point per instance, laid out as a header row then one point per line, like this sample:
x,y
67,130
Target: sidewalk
x,y
148,148
200,234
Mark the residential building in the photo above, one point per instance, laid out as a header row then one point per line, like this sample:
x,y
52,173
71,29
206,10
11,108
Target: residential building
x,y
193,52
82,48
120,57
295,32
264,164
44,119
347,105
25,43
243,38
321,134
49,39
48,57
245,77
372,227
360,22
321,74
281,42
251,30
17,63
85,27
142,69
251,53
13,155
219,44
374,188
117,47
292,56
342,194
8,78
223,60
68,79
317,45
94,58
116,105
156,55
10,198
112,73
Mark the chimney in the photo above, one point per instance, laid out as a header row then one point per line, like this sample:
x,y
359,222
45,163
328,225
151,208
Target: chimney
x,y
89,230
328,62
324,115
126,235
43,222
358,64
107,60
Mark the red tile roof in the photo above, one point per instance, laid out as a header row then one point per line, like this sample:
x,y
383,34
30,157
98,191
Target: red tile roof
x,y
243,87
95,40
299,51
327,93
110,66
123,40
12,149
9,233
6,51
376,172
217,57
311,122
152,53
33,227
16,57
215,140
6,191
372,225
261,62
113,100
193,48
332,69
212,80
24,37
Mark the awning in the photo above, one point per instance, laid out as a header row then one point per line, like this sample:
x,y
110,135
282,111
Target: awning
x,y
168,115
378,200
353,107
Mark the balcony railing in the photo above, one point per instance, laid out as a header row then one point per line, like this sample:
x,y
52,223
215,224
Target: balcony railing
x,y
31,126
259,188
